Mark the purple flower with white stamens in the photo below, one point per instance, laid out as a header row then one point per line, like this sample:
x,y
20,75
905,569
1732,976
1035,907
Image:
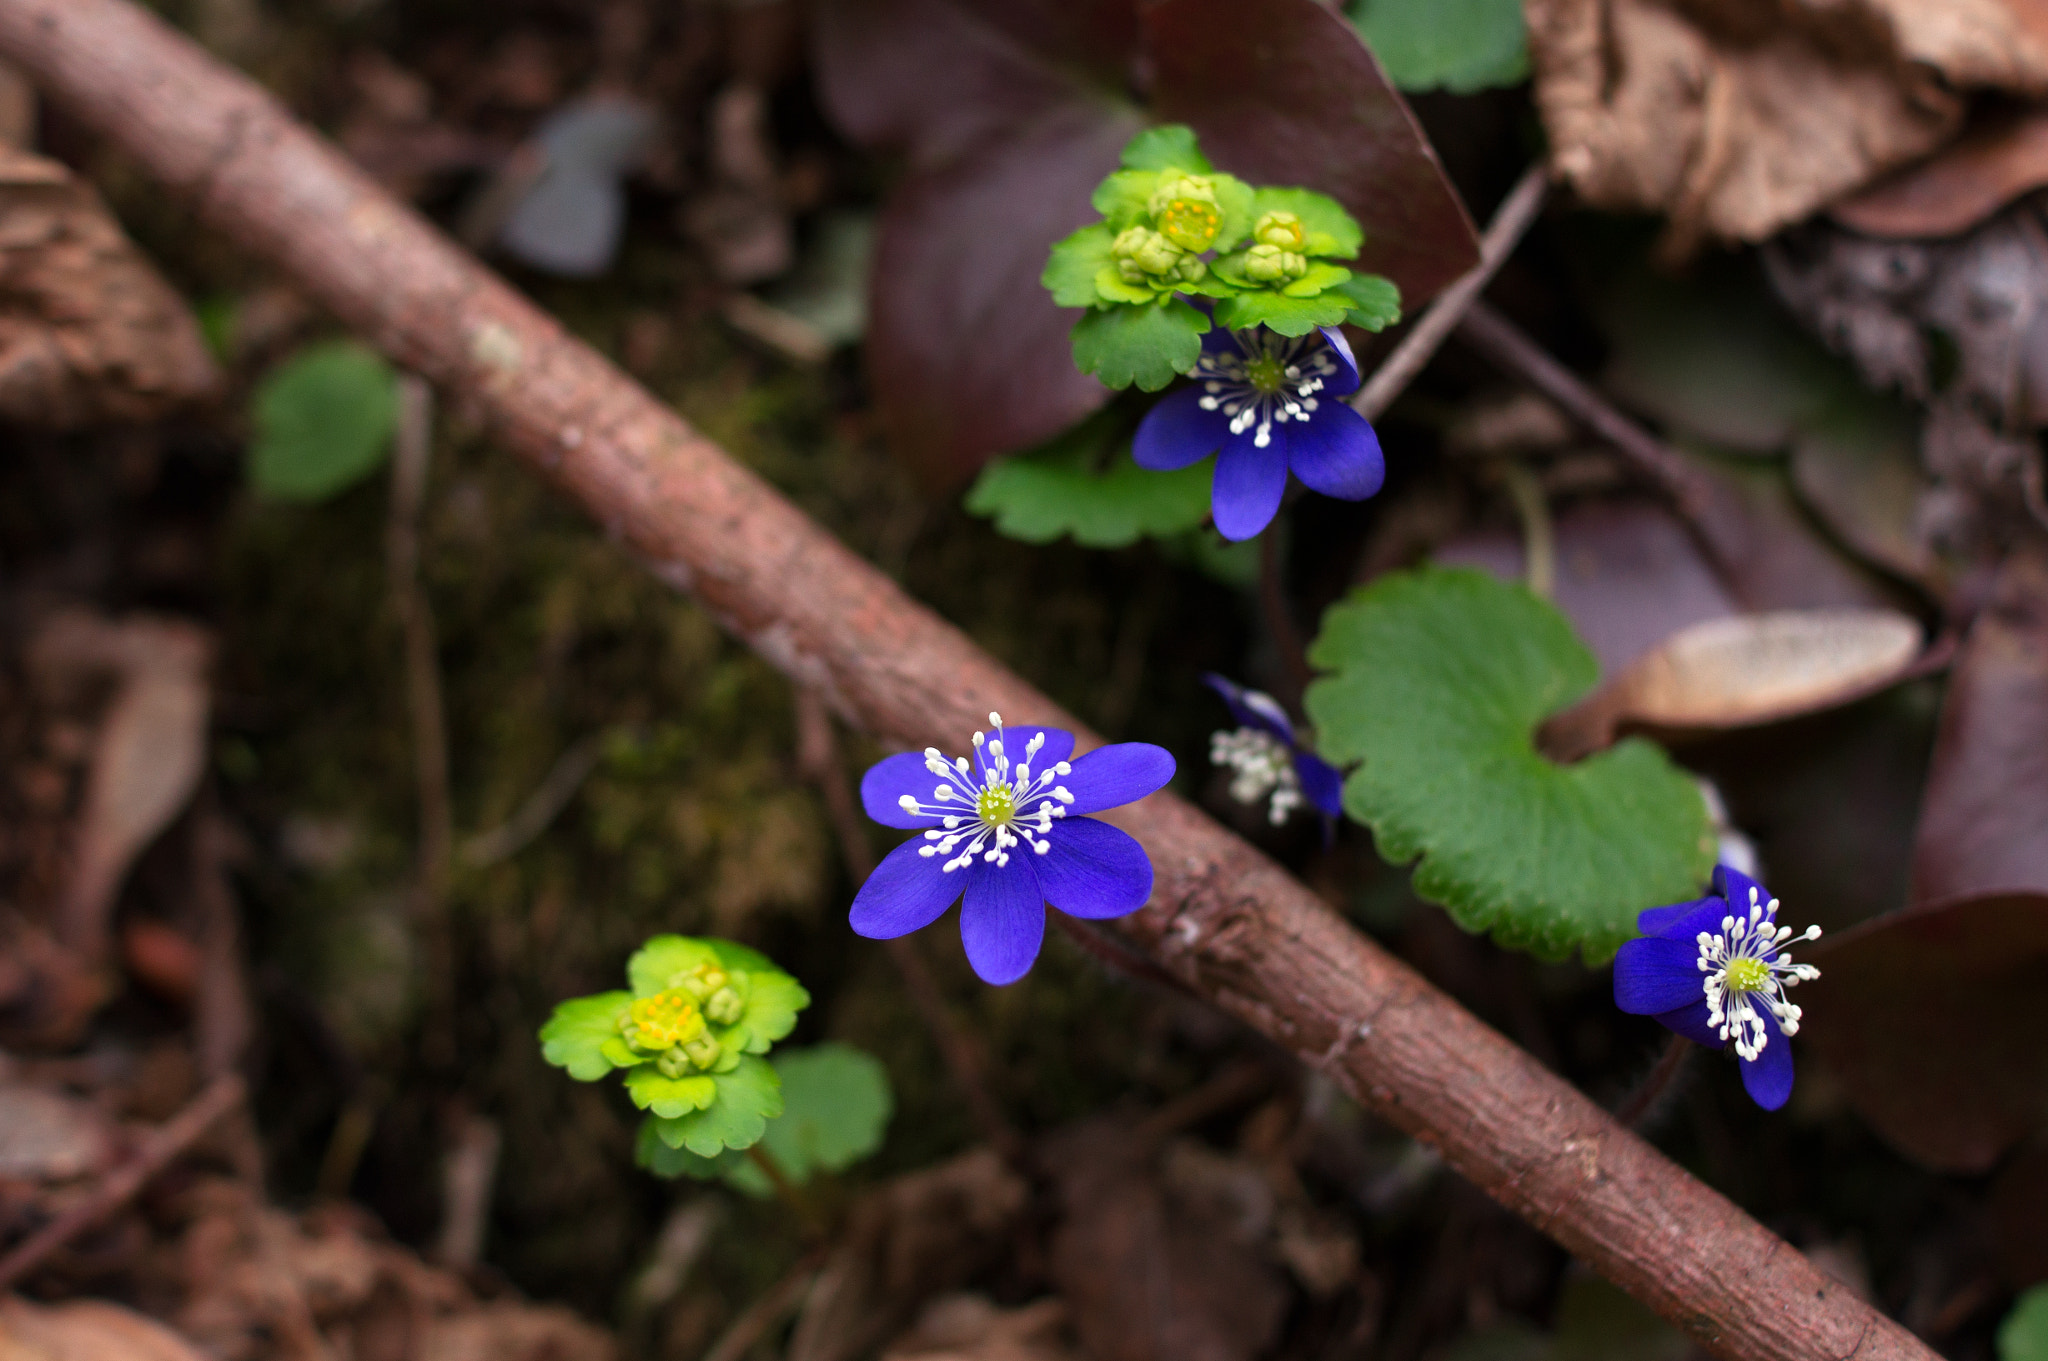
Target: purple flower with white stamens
x,y
1265,404
1268,760
1716,971
1009,832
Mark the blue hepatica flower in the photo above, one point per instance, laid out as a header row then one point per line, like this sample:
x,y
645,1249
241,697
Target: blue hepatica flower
x,y
1008,831
1267,759
1267,403
1716,971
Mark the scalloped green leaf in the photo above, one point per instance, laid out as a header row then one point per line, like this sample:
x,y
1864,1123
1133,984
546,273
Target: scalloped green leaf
x,y
1375,301
1321,276
1122,196
747,1099
836,1104
1146,346
1320,214
662,958
2024,1334
773,1000
1439,678
578,1035
1071,268
323,421
667,1096
1455,45
1235,198
655,1156
1168,146
1084,484
1278,312
621,1054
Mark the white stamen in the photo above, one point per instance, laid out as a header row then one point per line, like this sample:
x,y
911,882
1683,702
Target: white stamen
x,y
1261,767
1753,938
1023,801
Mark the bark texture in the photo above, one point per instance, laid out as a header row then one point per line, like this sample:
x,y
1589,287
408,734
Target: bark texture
x,y
1225,918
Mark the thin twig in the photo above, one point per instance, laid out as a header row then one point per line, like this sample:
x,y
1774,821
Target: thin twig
x,y
1412,355
161,1149
1539,541
1649,1094
538,809
818,754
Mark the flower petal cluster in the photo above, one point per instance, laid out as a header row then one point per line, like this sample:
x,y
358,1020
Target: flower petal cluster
x,y
1266,405
1716,971
1008,830
1268,759
687,1035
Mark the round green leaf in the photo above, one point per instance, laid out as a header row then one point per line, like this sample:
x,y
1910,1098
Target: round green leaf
x,y
2024,1334
1278,312
1149,345
773,1000
581,1033
747,1099
657,1157
1439,680
670,1096
836,1103
1084,484
1071,269
1170,146
654,964
1375,301
1456,45
323,421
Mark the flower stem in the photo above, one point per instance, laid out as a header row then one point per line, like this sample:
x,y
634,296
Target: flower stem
x,y
786,1190
1649,1094
1280,619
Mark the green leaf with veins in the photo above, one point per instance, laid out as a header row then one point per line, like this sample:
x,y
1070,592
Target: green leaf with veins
x,y
1071,268
1083,483
580,1033
1321,216
747,1099
1148,346
1456,45
1167,147
1278,312
1438,680
651,1090
836,1103
1375,301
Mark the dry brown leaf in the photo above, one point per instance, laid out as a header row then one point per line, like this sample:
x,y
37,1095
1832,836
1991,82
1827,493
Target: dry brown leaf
x,y
1743,671
973,1328
1957,187
85,1330
149,754
46,1136
1737,120
90,333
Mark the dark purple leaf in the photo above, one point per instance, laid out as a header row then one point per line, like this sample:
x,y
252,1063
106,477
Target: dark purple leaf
x,y
1931,1019
1285,92
1984,818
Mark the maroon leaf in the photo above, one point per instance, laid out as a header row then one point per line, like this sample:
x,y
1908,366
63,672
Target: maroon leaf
x,y
1984,818
1284,92
1010,113
1931,1019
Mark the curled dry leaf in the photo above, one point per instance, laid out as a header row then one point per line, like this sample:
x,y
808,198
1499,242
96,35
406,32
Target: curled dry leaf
x,y
1959,186
1743,671
147,759
90,332
1931,1019
1984,815
1739,120
86,1330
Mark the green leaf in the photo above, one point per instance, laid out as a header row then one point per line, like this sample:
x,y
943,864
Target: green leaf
x,y
657,962
1236,199
1112,287
1123,196
1375,301
747,1099
1167,147
1278,312
1149,345
323,421
835,1105
1071,268
579,1034
1319,214
1440,677
1083,483
1321,276
773,1000
657,1157
1456,45
2024,1334
666,1096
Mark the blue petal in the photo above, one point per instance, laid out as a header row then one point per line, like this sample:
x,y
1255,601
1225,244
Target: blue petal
x,y
1654,975
1177,432
1252,708
1003,923
1112,776
1737,887
1322,782
1691,1022
1768,1077
1093,869
1670,922
1059,745
1249,482
906,891
1336,453
1346,380
888,780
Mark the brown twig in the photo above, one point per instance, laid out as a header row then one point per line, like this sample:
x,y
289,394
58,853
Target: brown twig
x,y
818,754
1223,918
1510,221
161,1149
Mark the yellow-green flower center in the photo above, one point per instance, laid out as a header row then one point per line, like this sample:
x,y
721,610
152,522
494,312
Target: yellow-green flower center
x,y
1280,230
1747,975
1190,223
996,805
1265,373
664,1020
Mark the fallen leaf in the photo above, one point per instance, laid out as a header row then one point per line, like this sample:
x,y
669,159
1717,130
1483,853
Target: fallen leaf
x,y
90,333
1958,186
46,1136
973,1328
570,218
1984,815
1931,1020
1742,672
85,1330
2018,1202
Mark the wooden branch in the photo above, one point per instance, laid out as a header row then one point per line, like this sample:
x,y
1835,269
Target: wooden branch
x,y
1223,917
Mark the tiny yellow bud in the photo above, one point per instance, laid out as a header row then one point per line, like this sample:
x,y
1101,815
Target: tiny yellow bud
x,y
724,1006
1140,251
1185,210
1270,264
1283,230
703,1051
